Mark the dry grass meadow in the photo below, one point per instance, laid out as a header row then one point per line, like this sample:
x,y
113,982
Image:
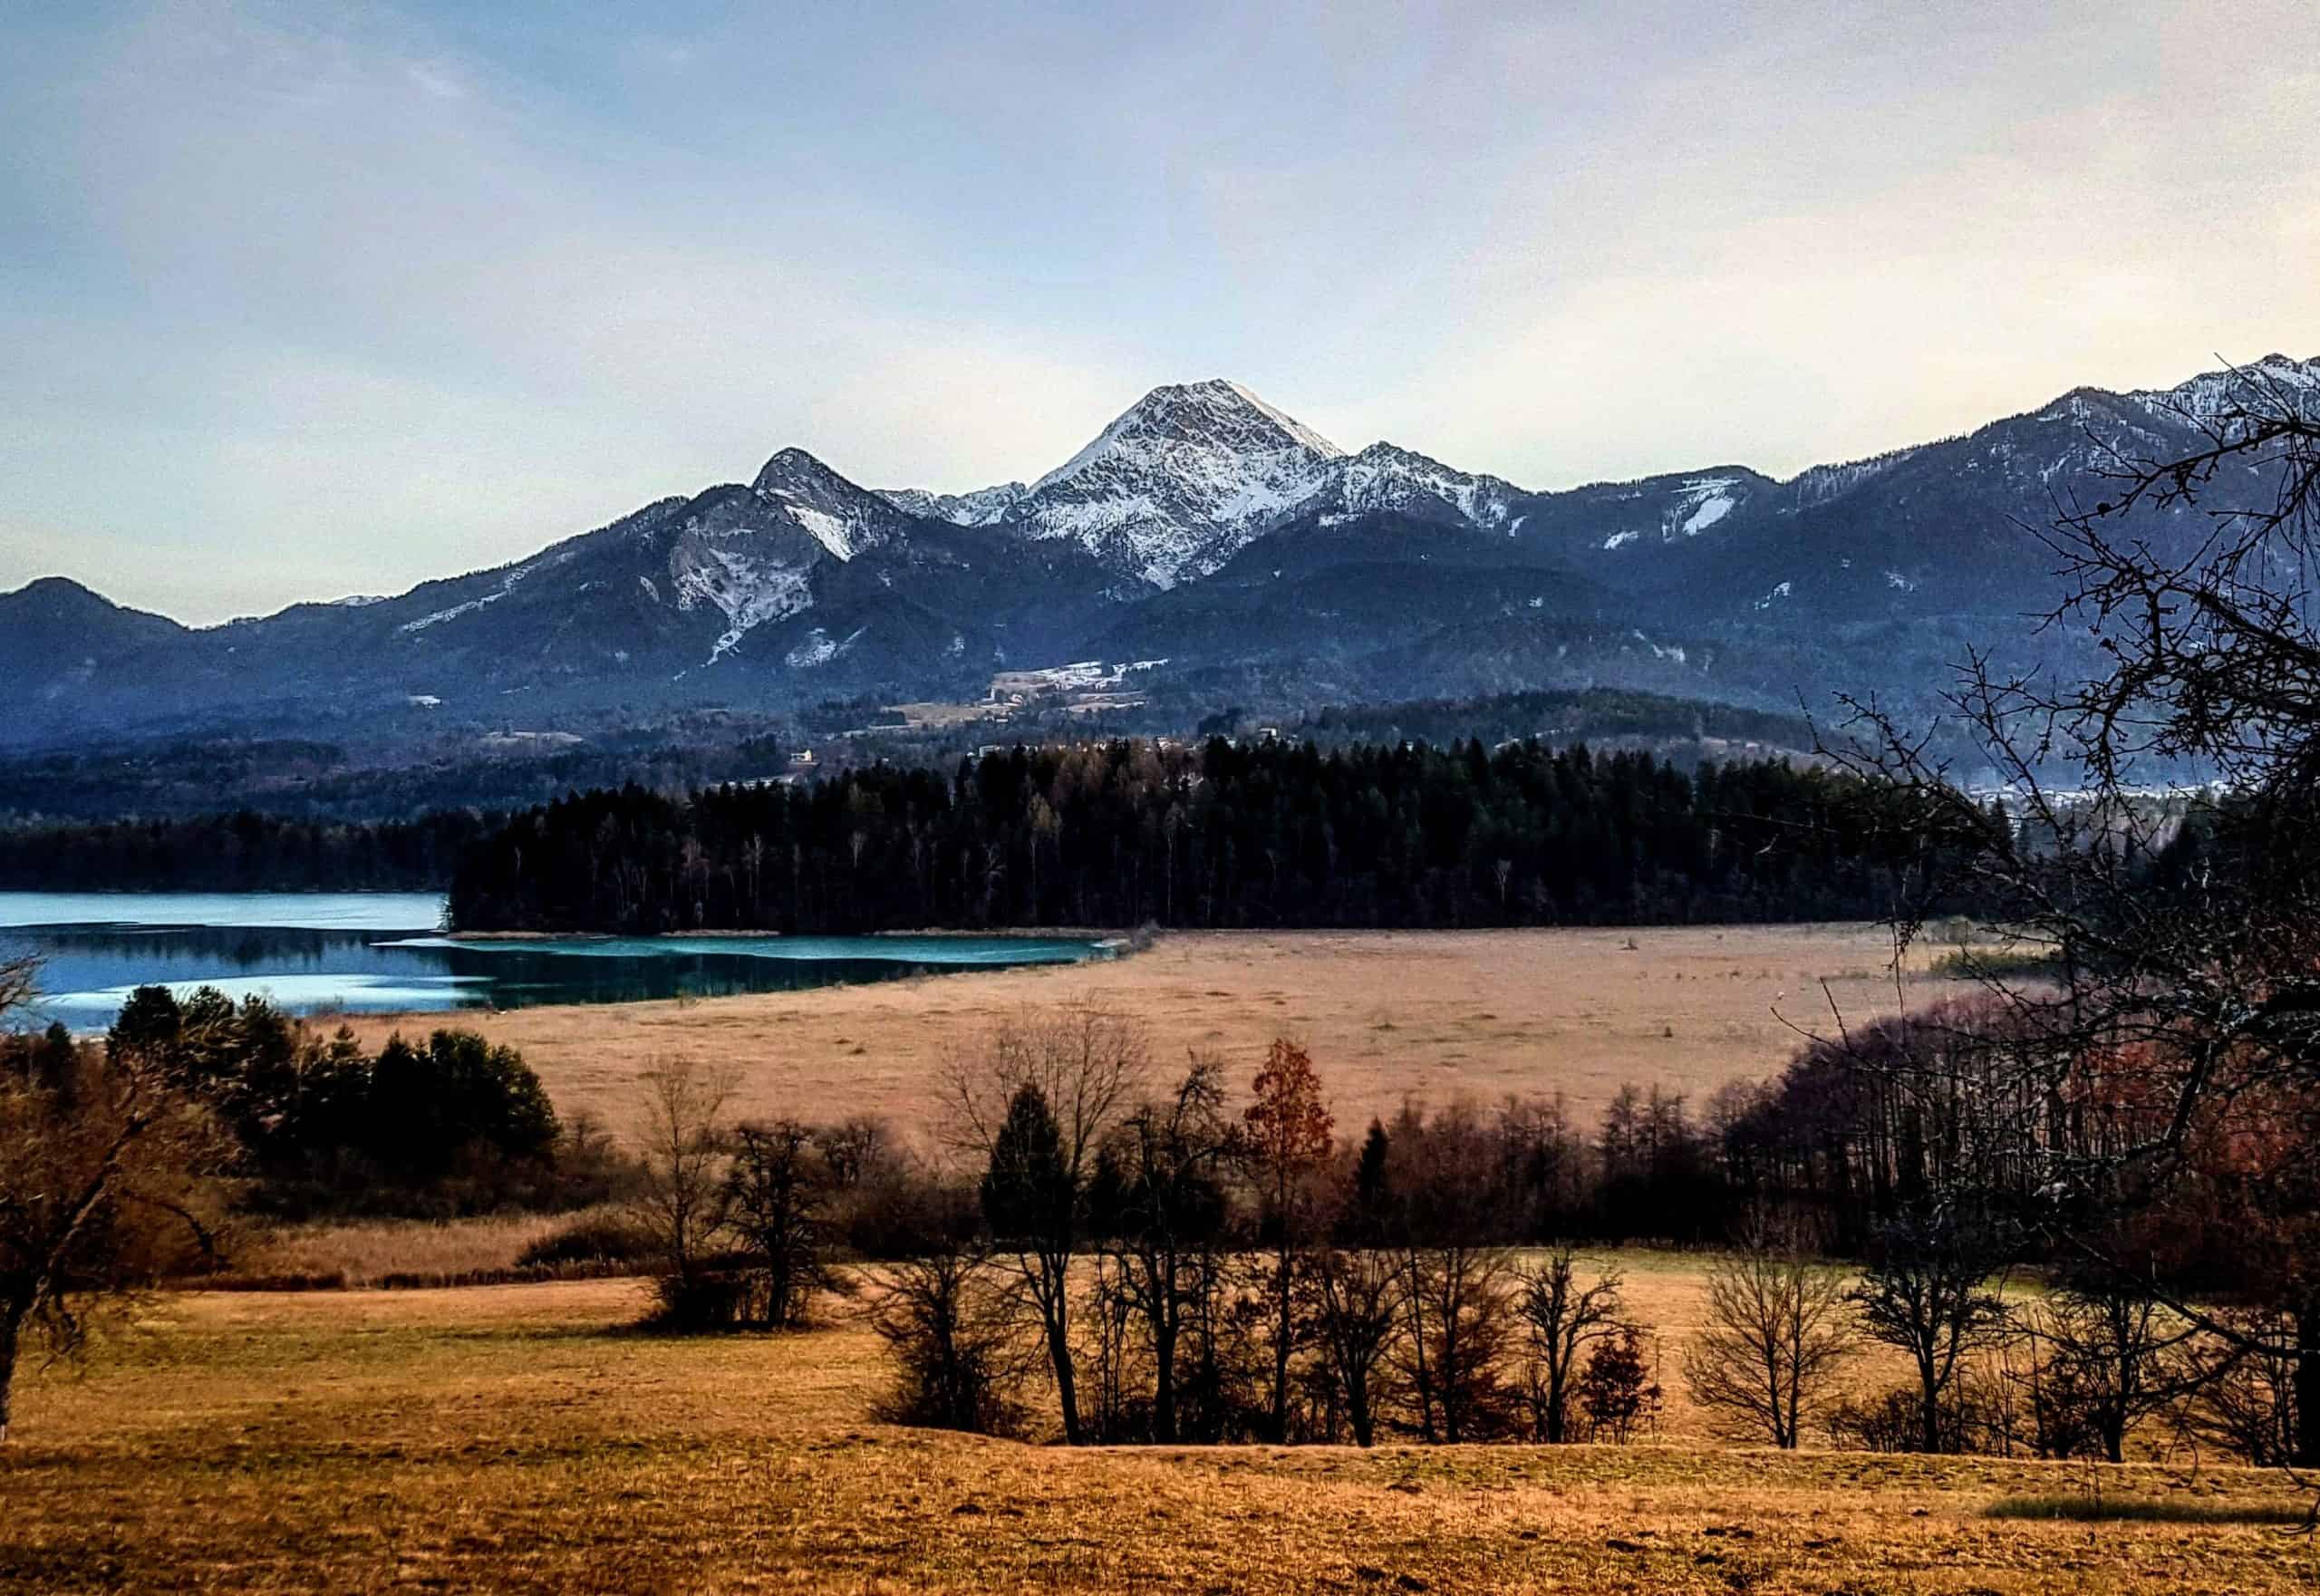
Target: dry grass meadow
x,y
525,1438
1386,1014
361,1252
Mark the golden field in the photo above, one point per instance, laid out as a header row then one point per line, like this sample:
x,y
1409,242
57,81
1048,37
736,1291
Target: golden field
x,y
525,1438
528,1437
1386,1014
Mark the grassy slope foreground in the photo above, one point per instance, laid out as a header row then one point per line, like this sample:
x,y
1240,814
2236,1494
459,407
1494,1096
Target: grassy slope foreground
x,y
521,1438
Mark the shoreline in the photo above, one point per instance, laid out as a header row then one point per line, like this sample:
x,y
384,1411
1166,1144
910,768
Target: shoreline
x,y
1098,937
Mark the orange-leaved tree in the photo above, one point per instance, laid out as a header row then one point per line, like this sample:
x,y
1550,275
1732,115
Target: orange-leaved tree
x,y
1286,1147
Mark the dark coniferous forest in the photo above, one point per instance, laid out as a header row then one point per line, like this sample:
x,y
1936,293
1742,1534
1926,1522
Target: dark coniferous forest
x,y
1220,834
244,851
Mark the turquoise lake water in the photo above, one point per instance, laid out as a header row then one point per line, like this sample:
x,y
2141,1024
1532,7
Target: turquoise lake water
x,y
377,952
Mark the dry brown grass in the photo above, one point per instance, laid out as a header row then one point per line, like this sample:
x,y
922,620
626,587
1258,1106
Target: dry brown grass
x,y
521,1438
1386,1014
366,1251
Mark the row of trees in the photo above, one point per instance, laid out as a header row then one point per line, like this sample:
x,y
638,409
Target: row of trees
x,y
1161,1265
1219,835
244,851
1164,1268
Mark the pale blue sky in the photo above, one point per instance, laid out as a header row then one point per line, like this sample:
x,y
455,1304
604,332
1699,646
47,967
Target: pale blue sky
x,y
298,300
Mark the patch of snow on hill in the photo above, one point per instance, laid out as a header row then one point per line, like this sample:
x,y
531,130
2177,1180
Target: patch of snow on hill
x,y
820,649
1709,513
1707,498
506,585
833,533
746,591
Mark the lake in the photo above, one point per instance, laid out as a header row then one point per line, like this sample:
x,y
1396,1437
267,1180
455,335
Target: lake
x,y
383,953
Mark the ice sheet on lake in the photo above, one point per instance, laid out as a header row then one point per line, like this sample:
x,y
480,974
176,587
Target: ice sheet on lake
x,y
317,910
355,995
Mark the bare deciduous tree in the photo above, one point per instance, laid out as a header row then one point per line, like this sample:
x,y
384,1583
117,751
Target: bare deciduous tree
x,y
1167,1160
681,1197
941,1312
104,1166
1355,1297
1928,1294
2104,1355
777,1192
1457,1330
1033,1104
1778,1324
2242,1395
2184,930
1561,1318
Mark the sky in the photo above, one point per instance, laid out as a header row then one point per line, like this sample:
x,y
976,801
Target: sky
x,y
305,300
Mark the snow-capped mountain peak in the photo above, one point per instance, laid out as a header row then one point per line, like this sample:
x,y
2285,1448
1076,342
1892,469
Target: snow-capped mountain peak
x,y
1180,481
841,518
1296,430
1216,415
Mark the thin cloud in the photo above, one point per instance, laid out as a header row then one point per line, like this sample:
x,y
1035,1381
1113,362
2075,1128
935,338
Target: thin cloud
x,y
310,299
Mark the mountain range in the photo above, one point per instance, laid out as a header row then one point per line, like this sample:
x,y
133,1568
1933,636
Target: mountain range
x,y
1204,531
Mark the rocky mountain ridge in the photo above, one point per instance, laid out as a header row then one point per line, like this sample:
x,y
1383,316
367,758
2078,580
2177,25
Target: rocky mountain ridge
x,y
1202,527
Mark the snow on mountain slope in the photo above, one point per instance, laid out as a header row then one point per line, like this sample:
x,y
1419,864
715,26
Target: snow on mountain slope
x,y
980,507
1183,480
746,589
2275,378
744,557
506,585
841,518
1386,477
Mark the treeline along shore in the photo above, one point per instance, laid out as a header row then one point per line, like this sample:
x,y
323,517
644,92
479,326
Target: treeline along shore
x,y
1118,833
1218,835
240,851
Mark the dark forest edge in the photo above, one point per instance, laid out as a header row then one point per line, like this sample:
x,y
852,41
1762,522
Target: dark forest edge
x,y
1260,831
244,851
1224,834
